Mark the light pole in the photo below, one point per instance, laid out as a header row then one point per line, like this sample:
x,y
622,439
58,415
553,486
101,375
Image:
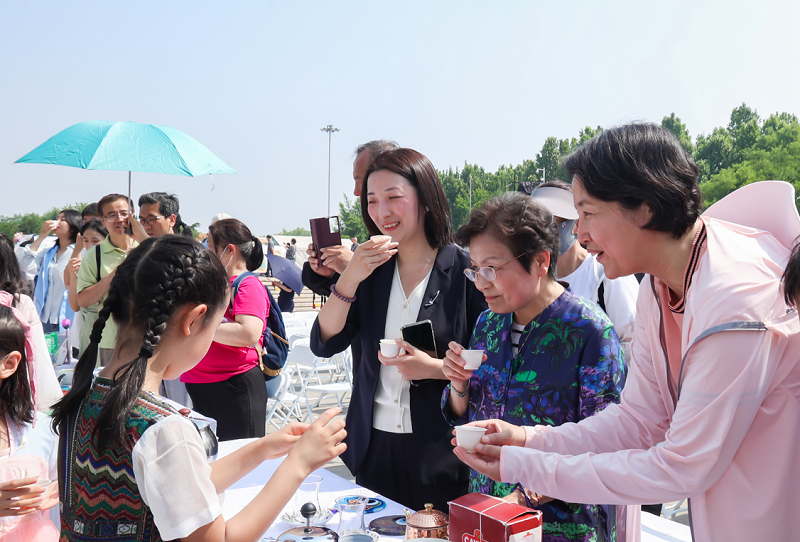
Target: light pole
x,y
470,192
330,129
544,174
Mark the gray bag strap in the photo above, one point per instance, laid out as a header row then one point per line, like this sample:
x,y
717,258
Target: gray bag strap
x,y
731,326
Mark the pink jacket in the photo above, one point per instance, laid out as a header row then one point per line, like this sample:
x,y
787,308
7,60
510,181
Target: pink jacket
x,y
732,441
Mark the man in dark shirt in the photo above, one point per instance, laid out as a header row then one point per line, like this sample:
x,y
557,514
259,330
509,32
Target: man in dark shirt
x,y
320,273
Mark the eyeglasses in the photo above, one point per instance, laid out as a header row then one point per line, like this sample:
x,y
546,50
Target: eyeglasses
x,y
489,272
113,217
151,220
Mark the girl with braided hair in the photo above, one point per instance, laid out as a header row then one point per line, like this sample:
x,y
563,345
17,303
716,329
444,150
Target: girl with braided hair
x,y
132,468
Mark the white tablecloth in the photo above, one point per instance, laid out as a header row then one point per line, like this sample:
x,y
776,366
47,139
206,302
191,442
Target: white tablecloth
x,y
654,529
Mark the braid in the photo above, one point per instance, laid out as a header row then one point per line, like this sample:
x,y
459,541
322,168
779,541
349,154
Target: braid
x,y
153,281
83,374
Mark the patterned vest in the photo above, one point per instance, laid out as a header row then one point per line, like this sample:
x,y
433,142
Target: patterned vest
x,y
99,496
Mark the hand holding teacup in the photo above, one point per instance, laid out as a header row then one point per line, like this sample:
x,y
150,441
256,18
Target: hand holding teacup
x,y
369,256
460,363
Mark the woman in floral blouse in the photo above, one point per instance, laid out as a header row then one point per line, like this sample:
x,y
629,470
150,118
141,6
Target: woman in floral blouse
x,y
551,357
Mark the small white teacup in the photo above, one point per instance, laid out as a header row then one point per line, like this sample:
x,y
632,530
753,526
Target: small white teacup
x,y
43,482
389,348
472,359
467,436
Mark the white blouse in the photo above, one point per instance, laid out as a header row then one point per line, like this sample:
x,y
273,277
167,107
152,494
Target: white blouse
x,y
392,403
32,262
174,477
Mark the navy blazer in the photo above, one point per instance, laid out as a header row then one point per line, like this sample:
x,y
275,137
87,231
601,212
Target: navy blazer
x,y
452,304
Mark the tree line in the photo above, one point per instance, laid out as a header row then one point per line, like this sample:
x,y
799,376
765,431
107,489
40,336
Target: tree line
x,y
747,150
32,222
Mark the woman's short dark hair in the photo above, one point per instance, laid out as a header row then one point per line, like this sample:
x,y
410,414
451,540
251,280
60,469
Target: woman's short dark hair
x,y
641,163
73,218
418,170
95,224
516,221
15,391
231,231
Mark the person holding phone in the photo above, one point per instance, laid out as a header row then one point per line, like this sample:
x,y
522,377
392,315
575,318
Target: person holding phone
x,y
94,280
324,268
409,270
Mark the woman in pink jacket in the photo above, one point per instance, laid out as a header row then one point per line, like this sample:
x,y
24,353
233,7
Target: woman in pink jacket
x,y
711,407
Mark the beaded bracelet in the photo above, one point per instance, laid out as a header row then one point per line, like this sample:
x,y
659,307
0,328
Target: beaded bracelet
x,y
337,295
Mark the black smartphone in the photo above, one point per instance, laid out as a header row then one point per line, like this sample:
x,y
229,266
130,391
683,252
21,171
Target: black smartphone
x,y
420,335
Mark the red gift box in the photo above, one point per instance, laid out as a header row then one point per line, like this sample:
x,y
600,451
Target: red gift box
x,y
482,518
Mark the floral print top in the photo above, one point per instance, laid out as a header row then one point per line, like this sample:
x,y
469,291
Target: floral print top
x,y
569,366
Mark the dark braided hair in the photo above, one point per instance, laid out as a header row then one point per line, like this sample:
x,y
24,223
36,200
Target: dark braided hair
x,y
155,279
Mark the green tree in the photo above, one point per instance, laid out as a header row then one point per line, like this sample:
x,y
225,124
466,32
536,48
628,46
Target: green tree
x,y
351,221
298,231
714,153
32,222
774,155
674,125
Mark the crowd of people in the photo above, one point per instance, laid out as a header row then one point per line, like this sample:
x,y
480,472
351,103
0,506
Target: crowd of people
x,y
599,394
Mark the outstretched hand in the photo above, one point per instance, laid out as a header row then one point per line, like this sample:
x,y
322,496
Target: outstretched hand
x,y
321,442
282,440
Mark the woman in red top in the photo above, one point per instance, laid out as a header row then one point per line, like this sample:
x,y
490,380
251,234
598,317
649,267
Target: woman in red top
x,y
227,384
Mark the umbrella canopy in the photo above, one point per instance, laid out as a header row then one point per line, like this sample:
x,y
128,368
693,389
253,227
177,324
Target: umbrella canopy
x,y
286,271
127,146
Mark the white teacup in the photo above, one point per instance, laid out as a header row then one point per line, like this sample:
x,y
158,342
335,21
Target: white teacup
x,y
389,348
472,359
467,436
43,482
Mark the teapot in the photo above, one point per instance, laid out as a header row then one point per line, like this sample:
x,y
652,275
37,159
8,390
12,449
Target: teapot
x,y
428,523
308,533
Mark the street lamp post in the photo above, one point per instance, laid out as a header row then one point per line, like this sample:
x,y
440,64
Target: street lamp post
x,y
330,129
544,174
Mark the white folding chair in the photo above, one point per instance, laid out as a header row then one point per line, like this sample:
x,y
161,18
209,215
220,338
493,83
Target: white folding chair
x,y
298,339
303,331
307,317
339,389
668,510
290,320
282,402
308,365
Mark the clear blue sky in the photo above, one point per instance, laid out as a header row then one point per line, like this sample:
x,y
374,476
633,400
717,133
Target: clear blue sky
x,y
483,82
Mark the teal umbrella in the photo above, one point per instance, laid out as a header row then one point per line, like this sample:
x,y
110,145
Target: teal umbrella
x,y
127,146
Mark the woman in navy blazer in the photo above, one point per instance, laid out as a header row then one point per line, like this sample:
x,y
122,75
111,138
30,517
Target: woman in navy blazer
x,y
407,272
